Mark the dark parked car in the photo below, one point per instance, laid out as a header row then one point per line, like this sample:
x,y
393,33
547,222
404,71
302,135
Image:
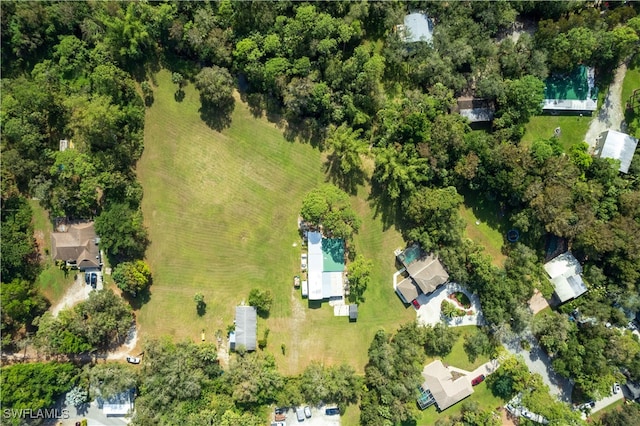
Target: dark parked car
x,y
477,380
332,411
87,278
94,279
415,303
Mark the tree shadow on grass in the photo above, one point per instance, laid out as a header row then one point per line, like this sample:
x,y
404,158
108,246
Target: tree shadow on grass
x,y
218,117
201,308
387,209
348,182
179,95
141,298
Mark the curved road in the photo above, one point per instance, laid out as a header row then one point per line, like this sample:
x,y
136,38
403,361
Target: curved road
x,y
611,113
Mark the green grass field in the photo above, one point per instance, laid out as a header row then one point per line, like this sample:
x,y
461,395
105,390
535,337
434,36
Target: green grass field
x,y
492,228
458,357
52,281
573,128
222,210
631,79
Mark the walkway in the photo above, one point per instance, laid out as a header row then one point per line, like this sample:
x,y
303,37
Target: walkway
x,y
611,113
538,362
487,368
430,314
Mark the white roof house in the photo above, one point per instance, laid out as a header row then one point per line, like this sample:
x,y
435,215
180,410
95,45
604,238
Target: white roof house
x,y
443,387
417,27
618,146
564,272
118,405
322,284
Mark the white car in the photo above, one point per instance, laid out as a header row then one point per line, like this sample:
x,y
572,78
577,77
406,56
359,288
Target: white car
x,y
133,360
307,411
303,261
616,388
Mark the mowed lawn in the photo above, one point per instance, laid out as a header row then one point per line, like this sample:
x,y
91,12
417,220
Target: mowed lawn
x,y
221,209
52,281
573,128
484,225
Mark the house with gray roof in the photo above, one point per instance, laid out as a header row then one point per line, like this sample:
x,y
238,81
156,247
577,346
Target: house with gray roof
x,y
245,334
77,246
618,146
564,273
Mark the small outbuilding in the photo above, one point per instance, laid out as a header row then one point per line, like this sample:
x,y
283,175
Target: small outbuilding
x,y
417,27
618,146
118,405
476,110
353,312
564,273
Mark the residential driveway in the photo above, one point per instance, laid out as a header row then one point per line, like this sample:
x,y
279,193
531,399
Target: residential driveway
x,y
429,312
318,418
606,401
538,362
91,412
75,294
611,113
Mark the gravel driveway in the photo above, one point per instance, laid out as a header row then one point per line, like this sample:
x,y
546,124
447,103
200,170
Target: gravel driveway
x,y
538,362
611,113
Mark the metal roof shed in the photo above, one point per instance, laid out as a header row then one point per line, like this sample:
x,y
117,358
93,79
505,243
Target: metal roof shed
x,y
246,327
618,146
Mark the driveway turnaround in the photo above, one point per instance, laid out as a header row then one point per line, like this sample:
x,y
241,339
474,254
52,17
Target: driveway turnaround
x,y
430,314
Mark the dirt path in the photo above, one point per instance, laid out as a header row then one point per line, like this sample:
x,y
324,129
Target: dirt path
x,y
611,113
298,315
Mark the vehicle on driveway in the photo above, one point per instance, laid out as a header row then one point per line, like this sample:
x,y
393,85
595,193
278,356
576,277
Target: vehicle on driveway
x,y
303,262
296,281
478,380
87,278
415,304
616,388
133,360
332,411
307,411
300,414
94,279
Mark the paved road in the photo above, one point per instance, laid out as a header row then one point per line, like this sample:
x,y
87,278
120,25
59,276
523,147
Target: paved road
x,y
538,362
611,113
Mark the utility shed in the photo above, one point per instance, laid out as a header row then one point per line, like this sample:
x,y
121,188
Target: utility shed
x,y
353,312
246,327
618,146
564,273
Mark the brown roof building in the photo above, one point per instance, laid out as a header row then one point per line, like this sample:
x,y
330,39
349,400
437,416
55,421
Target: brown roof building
x,y
77,246
425,272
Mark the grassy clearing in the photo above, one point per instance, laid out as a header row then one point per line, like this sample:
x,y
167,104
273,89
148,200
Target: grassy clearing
x,y
491,231
616,406
631,79
52,281
458,357
222,210
573,128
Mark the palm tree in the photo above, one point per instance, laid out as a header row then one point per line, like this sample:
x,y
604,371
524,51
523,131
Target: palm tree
x,y
399,172
345,160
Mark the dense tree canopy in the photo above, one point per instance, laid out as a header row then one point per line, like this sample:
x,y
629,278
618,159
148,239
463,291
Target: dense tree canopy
x,y
330,207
